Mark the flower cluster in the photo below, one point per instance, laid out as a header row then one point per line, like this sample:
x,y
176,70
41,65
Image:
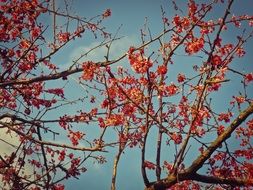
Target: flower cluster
x,y
195,46
62,155
63,37
75,137
181,23
107,13
248,77
225,117
136,95
115,120
73,170
176,137
89,69
171,89
181,78
56,91
139,62
162,69
216,60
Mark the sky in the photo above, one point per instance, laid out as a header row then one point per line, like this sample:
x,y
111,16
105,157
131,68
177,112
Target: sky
x,y
130,16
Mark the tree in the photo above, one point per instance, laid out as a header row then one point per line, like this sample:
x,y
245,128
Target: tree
x,y
145,107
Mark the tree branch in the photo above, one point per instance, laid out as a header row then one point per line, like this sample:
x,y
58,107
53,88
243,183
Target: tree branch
x,y
198,163
30,138
190,173
220,180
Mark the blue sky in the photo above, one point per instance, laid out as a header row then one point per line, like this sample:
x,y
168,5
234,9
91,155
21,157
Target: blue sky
x,y
131,15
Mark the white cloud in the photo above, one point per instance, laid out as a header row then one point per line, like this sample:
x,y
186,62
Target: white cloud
x,y
9,141
117,49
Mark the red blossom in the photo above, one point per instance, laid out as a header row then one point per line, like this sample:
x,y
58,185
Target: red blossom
x,y
171,89
62,155
217,42
79,32
89,69
240,52
139,62
24,44
136,95
35,32
251,23
239,99
56,91
50,65
162,70
149,165
115,120
246,153
220,130
181,78
235,21
250,124
226,49
73,170
71,155
185,23
131,50
195,46
177,138
35,163
128,109
75,137
176,20
225,117
63,37
107,13
192,8
101,122
165,20
216,60
168,166
14,33
58,187
214,87
27,111
248,77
